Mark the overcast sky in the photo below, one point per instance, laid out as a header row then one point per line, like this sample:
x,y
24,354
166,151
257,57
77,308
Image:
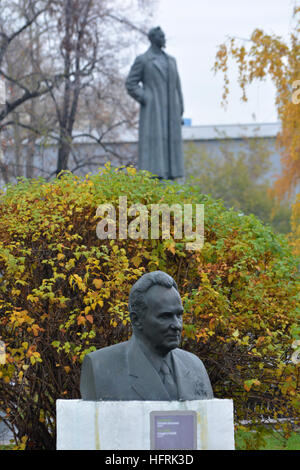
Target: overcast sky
x,y
194,29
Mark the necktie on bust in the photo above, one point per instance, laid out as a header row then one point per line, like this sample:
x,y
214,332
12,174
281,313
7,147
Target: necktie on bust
x,y
168,380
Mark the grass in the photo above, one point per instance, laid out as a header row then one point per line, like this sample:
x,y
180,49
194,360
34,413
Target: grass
x,y
273,441
7,447
293,443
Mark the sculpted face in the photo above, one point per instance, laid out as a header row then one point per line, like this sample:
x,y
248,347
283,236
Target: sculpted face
x,y
161,326
158,38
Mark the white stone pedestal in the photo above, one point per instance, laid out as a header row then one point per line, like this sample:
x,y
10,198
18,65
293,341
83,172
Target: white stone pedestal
x,y
125,425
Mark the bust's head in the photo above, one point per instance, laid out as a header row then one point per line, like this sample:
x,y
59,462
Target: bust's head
x,y
157,37
156,311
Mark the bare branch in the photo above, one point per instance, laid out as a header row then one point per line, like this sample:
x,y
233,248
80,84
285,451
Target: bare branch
x,y
128,23
29,21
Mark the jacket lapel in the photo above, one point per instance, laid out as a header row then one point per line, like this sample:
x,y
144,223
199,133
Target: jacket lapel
x,y
157,64
183,377
143,377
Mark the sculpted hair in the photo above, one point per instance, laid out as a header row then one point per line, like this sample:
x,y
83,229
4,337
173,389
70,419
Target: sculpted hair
x,y
153,31
137,303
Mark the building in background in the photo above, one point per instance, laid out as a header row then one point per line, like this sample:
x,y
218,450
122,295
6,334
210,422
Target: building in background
x,y
90,151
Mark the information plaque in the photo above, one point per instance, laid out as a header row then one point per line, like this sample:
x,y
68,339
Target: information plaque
x,y
173,430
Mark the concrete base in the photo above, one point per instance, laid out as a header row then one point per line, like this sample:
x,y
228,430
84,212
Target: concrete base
x,y
125,425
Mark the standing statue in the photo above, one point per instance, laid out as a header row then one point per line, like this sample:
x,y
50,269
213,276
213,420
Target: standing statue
x,y
149,366
154,82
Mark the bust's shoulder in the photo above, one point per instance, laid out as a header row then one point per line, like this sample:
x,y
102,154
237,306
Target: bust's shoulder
x,y
108,352
187,357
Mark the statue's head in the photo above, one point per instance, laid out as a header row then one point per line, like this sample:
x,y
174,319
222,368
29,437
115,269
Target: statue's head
x,y
157,36
156,311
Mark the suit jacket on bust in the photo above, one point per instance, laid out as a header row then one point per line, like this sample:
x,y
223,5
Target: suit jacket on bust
x,y
123,372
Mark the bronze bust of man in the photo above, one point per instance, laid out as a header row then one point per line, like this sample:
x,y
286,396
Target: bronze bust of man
x,y
149,366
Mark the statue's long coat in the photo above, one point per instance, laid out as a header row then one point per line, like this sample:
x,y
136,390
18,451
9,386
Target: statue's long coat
x,y
160,141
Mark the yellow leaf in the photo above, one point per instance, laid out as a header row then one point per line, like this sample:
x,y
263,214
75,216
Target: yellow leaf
x,y
136,261
171,248
131,171
15,292
97,283
32,298
35,329
81,320
67,369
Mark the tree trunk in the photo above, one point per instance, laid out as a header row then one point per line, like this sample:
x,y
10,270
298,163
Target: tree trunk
x,y
17,148
63,151
3,167
30,157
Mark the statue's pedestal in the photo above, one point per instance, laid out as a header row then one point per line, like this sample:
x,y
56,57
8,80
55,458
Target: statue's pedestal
x,y
145,425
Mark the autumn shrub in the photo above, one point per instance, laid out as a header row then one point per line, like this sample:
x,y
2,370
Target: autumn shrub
x,y
64,293
295,222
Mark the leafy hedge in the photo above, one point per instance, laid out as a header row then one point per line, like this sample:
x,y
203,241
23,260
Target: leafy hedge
x,y
64,293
